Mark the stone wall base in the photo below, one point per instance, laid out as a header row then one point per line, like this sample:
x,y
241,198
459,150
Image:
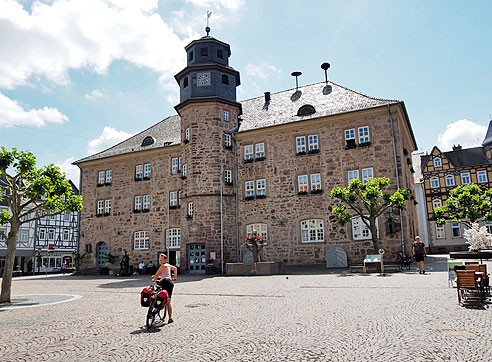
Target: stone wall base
x,y
260,268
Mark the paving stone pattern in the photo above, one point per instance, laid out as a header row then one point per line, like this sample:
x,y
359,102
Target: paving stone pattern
x,y
297,317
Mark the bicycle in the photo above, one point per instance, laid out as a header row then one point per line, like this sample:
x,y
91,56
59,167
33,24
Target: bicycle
x,y
157,304
403,259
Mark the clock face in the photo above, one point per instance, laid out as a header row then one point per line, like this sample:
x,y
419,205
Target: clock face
x,y
203,79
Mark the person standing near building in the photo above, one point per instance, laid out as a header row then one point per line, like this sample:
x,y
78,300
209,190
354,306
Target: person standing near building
x,y
419,253
64,267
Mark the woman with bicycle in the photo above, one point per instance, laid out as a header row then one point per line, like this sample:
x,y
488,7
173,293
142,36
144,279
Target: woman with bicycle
x,y
166,282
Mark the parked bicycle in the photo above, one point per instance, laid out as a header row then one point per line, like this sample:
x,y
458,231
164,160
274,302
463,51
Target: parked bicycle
x,y
155,298
405,260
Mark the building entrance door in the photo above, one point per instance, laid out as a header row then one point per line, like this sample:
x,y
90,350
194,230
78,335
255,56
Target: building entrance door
x,y
197,259
101,254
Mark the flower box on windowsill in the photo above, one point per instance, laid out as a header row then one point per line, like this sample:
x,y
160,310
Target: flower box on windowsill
x,y
145,210
99,215
260,196
312,152
228,147
108,183
107,213
302,153
189,216
227,183
146,178
364,144
137,210
138,178
317,191
186,140
350,146
183,177
99,185
249,197
301,193
249,160
259,159
172,207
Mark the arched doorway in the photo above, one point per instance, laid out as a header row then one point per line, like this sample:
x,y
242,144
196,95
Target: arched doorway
x,y
101,254
336,257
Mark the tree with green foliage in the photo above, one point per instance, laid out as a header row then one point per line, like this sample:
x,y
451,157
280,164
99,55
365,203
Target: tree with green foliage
x,y
31,194
368,201
465,203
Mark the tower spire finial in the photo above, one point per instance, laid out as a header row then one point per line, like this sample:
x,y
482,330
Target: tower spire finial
x,y
207,29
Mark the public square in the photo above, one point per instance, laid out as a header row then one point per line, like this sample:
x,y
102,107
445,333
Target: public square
x,y
301,316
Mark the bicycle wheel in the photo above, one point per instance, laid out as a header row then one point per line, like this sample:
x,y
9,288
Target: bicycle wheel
x,y
150,315
163,312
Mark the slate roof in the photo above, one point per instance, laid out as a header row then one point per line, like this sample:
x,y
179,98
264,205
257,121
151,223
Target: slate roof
x,y
283,107
488,137
463,158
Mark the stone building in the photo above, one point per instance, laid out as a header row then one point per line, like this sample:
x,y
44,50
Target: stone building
x,y
196,184
443,171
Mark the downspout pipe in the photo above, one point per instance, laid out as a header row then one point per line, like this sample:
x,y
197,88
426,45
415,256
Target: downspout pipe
x,y
393,142
236,178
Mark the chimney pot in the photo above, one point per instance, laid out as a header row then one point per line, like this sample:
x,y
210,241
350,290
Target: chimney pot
x,y
267,97
457,148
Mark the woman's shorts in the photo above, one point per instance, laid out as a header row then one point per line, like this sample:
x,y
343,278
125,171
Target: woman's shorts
x,y
419,257
168,285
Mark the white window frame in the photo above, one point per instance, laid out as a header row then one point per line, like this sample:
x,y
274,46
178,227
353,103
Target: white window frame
x,y
302,183
101,177
436,203
437,162
139,172
173,238
456,226
249,188
261,230
351,175
184,171
434,182
174,165
173,198
190,209
225,116
23,236
261,187
107,206
227,140
42,234
51,234
367,175
440,232
179,197
313,143
260,150
450,181
109,176
146,202
141,240
364,135
147,170
482,176
349,135
300,144
360,231
100,207
312,231
465,176
248,152
66,215
315,181
66,235
488,225
228,176
187,134
138,202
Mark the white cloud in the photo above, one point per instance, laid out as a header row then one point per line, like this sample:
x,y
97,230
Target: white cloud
x,y
95,94
262,71
72,171
109,137
463,132
12,113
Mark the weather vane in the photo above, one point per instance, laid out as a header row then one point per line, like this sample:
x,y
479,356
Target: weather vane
x,y
207,29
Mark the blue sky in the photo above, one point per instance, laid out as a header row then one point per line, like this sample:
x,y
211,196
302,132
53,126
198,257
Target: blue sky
x,y
78,76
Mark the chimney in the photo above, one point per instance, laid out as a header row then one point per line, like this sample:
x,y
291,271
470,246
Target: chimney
x,y
267,97
456,148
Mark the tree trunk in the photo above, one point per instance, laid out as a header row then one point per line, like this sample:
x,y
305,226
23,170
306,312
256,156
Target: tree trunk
x,y
254,250
9,265
374,235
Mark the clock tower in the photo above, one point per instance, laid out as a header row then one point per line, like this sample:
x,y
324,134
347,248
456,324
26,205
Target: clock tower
x,y
209,111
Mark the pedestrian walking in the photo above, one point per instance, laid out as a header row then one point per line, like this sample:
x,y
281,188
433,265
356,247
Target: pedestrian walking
x,y
64,267
419,253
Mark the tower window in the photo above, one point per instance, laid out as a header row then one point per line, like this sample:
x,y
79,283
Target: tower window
x,y
185,82
225,79
220,54
190,56
204,52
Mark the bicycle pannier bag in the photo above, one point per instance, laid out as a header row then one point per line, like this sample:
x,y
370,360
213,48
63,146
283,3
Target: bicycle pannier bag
x,y
161,299
145,296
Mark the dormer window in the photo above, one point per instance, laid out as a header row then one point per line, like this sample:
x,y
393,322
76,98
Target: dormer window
x,y
190,56
225,79
204,52
220,54
147,141
437,162
306,110
185,82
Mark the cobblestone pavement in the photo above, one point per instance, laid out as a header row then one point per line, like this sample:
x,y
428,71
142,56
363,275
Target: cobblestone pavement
x,y
297,317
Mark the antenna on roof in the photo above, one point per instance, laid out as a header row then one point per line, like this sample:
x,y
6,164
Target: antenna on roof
x,y
207,29
296,74
325,67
